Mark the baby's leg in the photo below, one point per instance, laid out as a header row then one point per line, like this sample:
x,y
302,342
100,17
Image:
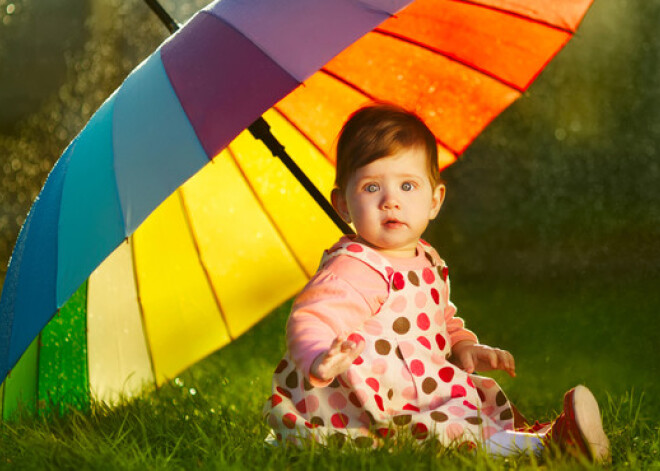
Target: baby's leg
x,y
507,443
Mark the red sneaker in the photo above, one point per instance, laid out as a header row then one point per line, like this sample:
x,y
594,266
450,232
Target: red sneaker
x,y
578,429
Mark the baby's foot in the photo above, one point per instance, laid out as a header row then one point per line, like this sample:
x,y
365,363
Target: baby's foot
x,y
579,428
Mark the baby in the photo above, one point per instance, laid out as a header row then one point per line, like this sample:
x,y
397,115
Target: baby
x,y
375,349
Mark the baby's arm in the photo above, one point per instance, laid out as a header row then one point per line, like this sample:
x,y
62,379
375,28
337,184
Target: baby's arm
x,y
337,359
333,305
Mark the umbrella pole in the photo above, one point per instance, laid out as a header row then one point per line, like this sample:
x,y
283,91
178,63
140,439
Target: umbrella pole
x,y
260,129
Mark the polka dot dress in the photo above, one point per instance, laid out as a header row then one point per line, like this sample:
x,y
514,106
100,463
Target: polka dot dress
x,y
402,383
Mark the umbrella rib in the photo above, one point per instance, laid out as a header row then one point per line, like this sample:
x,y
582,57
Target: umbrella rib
x,y
450,57
373,98
201,261
518,15
141,307
267,214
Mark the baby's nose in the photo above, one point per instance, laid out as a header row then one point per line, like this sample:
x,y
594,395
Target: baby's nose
x,y
389,201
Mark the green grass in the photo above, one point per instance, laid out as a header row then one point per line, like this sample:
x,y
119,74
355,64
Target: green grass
x,y
599,333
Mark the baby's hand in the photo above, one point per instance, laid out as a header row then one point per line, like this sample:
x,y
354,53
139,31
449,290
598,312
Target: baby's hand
x,y
471,356
337,359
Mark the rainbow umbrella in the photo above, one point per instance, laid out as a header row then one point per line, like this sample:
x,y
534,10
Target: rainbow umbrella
x,y
165,230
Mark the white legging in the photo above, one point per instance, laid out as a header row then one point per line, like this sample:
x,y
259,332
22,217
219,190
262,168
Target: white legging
x,y
508,443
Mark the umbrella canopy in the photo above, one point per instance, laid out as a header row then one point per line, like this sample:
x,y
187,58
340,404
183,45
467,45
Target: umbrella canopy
x,y
164,231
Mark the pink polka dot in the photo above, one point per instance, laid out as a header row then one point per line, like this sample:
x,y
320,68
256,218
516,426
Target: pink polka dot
x,y
301,406
438,358
399,304
424,341
456,410
379,366
488,410
353,377
405,372
312,403
439,317
406,349
339,420
423,321
364,418
389,271
420,299
373,383
355,248
337,400
435,295
458,391
488,432
454,431
373,327
417,367
469,382
436,402
428,275
409,393
487,383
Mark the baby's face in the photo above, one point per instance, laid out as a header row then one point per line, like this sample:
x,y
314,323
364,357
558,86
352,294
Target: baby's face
x,y
391,200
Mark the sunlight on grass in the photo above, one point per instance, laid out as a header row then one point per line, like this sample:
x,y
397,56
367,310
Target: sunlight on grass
x,y
210,416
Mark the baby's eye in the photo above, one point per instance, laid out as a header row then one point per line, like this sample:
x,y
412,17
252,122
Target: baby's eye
x,y
407,186
371,187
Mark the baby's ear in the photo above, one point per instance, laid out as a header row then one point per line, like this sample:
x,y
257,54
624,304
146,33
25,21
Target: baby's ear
x,y
437,198
339,203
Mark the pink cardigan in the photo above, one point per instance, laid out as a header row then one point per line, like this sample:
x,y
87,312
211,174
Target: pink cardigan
x,y
338,299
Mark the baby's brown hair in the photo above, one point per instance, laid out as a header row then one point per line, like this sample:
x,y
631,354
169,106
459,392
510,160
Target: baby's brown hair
x,y
379,130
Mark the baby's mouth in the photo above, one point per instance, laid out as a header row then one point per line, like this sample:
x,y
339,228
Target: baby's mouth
x,y
393,223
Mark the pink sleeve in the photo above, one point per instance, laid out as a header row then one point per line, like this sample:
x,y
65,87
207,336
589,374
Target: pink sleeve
x,y
455,325
337,300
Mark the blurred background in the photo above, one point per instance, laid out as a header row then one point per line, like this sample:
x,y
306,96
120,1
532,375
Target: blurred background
x,y
559,197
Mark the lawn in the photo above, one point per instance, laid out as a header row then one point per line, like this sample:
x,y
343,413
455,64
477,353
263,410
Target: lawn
x,y
562,332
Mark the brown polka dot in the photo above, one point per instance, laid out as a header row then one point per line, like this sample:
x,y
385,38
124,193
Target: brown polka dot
x,y
355,400
284,392
429,257
337,440
370,416
474,420
506,414
402,419
500,399
307,385
317,421
482,396
414,279
398,353
334,384
292,379
401,325
390,394
281,366
383,347
439,416
364,442
429,385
